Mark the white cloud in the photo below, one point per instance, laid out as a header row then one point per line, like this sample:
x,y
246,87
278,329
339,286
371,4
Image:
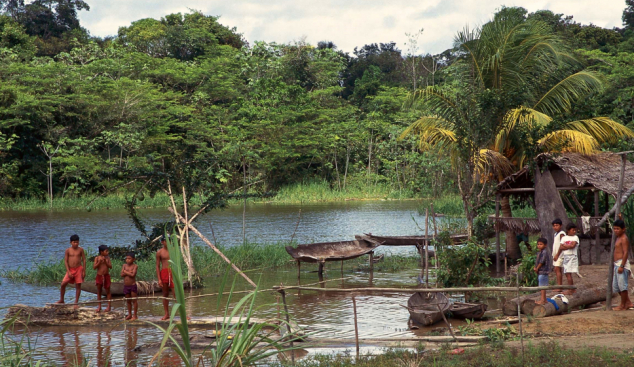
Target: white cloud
x,y
348,23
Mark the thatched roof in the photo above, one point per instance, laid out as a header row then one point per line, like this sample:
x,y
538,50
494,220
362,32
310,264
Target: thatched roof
x,y
600,171
531,225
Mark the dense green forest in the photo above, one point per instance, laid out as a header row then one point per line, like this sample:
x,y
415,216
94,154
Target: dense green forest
x,y
82,116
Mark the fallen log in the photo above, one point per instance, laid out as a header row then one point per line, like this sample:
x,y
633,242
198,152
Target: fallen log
x,y
528,305
510,306
580,298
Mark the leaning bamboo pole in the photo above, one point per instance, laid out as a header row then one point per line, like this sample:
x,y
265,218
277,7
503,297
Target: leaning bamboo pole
x,y
216,250
430,290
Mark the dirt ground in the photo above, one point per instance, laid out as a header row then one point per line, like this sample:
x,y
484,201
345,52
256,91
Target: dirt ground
x,y
593,326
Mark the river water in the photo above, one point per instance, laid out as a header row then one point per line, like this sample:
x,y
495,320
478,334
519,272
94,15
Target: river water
x,y
33,237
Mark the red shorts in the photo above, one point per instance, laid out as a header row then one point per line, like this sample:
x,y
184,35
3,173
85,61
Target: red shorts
x,y
74,275
166,277
103,280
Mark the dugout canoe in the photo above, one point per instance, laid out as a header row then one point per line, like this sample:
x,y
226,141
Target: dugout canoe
x,y
410,240
462,310
423,307
116,288
332,251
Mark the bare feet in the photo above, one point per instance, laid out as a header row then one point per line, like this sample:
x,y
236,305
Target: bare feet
x,y
166,317
108,308
60,302
128,317
628,306
133,318
98,309
619,308
76,306
540,303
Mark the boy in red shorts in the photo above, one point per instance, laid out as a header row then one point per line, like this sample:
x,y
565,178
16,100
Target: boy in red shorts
x,y
164,274
75,262
103,265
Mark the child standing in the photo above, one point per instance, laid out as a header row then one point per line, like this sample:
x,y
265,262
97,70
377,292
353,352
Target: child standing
x,y
75,262
568,249
621,265
128,272
558,264
103,265
542,267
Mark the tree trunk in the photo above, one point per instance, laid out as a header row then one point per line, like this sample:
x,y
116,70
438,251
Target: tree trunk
x,y
337,170
548,205
512,246
345,172
581,297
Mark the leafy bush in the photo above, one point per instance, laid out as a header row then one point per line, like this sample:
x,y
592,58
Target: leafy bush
x,y
462,265
527,263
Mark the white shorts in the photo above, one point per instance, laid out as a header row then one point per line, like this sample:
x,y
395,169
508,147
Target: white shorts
x,y
560,262
571,264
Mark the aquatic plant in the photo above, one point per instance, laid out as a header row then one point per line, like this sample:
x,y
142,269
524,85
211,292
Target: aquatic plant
x,y
239,342
16,351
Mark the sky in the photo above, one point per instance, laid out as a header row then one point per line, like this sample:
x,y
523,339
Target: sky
x,y
348,23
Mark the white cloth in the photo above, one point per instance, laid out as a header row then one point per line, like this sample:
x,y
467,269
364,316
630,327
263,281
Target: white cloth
x,y
571,263
556,242
585,223
617,263
567,239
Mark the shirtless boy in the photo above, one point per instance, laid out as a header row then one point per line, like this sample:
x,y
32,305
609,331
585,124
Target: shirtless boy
x,y
621,265
128,273
75,262
103,265
164,274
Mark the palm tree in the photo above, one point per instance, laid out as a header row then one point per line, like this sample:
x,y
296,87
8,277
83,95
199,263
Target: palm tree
x,y
522,80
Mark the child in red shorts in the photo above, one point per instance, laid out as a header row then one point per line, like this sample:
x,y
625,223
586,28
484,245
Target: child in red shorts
x,y
75,262
103,265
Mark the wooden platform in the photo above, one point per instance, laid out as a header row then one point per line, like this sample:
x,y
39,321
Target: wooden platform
x,y
86,316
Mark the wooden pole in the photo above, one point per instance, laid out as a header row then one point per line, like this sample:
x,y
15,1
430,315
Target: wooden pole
x,y
433,217
356,327
342,268
299,269
288,325
208,243
429,290
608,298
519,313
427,248
371,261
320,271
497,237
597,237
447,323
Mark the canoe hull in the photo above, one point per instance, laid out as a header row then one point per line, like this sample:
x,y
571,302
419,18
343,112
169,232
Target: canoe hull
x,y
463,310
424,307
332,251
410,240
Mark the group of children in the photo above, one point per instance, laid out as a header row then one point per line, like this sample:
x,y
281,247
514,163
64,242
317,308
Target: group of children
x,y
75,262
565,260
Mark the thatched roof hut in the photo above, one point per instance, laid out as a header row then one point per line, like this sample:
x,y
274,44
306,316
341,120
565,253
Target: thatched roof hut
x,y
574,171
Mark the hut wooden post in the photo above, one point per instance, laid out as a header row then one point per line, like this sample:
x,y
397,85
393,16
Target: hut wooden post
x,y
299,269
497,234
342,268
608,298
427,248
433,218
371,262
597,238
356,327
320,271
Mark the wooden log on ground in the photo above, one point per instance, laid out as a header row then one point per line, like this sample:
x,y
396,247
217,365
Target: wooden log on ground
x,y
579,298
510,306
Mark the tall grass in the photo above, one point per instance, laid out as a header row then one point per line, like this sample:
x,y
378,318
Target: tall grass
x,y
448,205
538,354
248,257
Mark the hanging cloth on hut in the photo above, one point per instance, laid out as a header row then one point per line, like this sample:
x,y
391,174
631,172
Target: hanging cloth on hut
x,y
585,224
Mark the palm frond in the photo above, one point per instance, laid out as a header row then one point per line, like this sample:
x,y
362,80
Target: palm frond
x,y
603,129
561,97
568,141
433,99
432,131
467,40
490,163
518,116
